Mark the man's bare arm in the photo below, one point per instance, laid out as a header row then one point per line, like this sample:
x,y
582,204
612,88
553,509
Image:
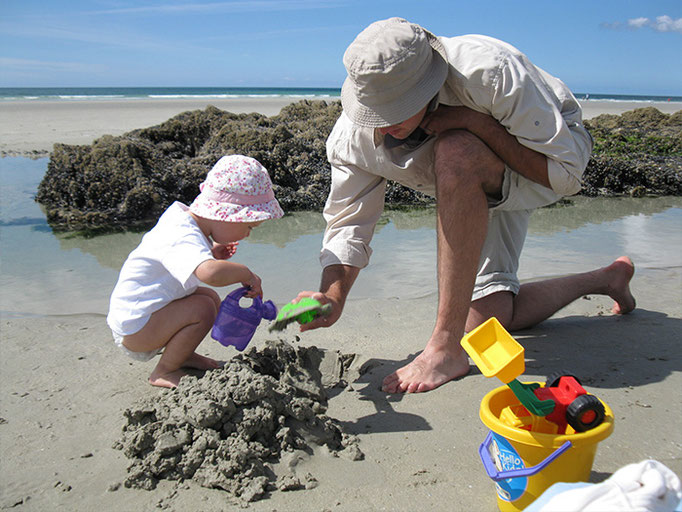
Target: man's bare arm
x,y
525,161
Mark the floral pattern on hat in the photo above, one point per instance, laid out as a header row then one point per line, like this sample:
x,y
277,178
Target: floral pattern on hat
x,y
232,189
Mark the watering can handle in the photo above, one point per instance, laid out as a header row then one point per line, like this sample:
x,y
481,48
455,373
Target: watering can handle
x,y
237,294
514,473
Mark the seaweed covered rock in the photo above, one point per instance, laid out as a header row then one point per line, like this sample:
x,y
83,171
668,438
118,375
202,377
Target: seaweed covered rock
x,y
227,429
122,181
636,153
131,179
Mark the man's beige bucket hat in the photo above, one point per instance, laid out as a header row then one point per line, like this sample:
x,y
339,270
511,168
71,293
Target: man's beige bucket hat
x,y
394,69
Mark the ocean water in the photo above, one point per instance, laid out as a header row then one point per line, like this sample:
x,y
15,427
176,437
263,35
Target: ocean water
x,y
108,93
47,273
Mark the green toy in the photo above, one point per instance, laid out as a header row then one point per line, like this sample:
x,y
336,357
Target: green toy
x,y
499,355
303,312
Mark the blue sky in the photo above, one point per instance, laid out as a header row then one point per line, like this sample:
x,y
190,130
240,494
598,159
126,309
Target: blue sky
x,y
597,46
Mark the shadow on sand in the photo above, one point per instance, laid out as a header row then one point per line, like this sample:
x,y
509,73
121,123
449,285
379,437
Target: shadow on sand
x,y
606,352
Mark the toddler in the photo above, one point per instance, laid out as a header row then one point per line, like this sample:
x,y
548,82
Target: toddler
x,y
158,302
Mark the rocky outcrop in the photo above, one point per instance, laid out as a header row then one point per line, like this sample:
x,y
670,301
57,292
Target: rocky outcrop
x,y
129,180
637,153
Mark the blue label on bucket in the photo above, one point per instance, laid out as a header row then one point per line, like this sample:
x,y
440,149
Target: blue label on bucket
x,y
505,458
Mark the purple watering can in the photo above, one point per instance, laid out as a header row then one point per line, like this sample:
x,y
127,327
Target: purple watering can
x,y
235,325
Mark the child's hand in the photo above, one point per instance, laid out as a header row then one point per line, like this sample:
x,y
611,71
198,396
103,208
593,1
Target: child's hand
x,y
224,251
254,287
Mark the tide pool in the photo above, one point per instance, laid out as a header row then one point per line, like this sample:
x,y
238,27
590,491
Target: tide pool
x,y
47,273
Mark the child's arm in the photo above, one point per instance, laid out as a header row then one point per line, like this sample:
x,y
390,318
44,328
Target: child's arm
x,y
224,273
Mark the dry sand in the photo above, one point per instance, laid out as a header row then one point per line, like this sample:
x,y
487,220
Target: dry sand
x,y
34,126
65,388
27,126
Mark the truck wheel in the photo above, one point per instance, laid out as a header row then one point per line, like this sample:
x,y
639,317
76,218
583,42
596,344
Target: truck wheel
x,y
585,413
554,378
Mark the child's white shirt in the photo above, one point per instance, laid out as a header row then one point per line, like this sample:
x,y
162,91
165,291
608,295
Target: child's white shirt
x,y
159,271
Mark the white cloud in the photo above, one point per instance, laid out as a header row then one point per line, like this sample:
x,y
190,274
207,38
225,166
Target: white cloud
x,y
638,22
667,24
661,24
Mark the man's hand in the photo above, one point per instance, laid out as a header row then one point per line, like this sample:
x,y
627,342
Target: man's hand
x,y
446,118
224,251
336,283
323,321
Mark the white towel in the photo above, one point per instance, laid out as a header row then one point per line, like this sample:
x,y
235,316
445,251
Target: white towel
x,y
648,486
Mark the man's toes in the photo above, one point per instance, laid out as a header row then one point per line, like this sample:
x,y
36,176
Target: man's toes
x,y
413,387
390,383
423,388
396,385
390,388
391,378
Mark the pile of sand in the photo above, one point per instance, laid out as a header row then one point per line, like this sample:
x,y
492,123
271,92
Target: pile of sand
x,y
228,428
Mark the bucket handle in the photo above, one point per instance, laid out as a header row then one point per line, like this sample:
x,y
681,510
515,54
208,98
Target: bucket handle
x,y
490,468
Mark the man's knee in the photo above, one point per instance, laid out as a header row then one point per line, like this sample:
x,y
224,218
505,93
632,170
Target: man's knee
x,y
499,305
461,155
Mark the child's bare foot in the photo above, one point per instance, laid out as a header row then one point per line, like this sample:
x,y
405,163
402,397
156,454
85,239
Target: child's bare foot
x,y
199,362
166,380
622,271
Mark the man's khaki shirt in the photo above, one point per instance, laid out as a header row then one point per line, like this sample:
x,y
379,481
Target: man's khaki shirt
x,y
485,75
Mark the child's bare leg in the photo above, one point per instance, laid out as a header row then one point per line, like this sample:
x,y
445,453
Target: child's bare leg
x,y
199,362
179,327
208,292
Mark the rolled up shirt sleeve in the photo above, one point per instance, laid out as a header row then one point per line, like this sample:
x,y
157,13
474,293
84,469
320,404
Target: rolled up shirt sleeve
x,y
540,111
354,205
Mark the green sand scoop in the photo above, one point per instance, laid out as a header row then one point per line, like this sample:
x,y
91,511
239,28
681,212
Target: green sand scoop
x,y
304,311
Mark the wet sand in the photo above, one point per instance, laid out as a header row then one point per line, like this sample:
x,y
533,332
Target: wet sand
x,y
65,387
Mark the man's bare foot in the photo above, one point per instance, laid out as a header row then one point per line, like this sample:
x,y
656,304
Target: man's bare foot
x,y
622,271
430,369
199,362
166,380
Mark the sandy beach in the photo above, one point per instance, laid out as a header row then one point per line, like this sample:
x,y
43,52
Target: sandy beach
x,y
30,127
65,386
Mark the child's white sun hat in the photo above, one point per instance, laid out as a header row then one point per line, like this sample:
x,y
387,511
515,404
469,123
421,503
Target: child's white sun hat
x,y
237,189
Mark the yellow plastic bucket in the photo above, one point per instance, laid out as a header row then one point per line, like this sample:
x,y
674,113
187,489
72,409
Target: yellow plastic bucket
x,y
523,464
